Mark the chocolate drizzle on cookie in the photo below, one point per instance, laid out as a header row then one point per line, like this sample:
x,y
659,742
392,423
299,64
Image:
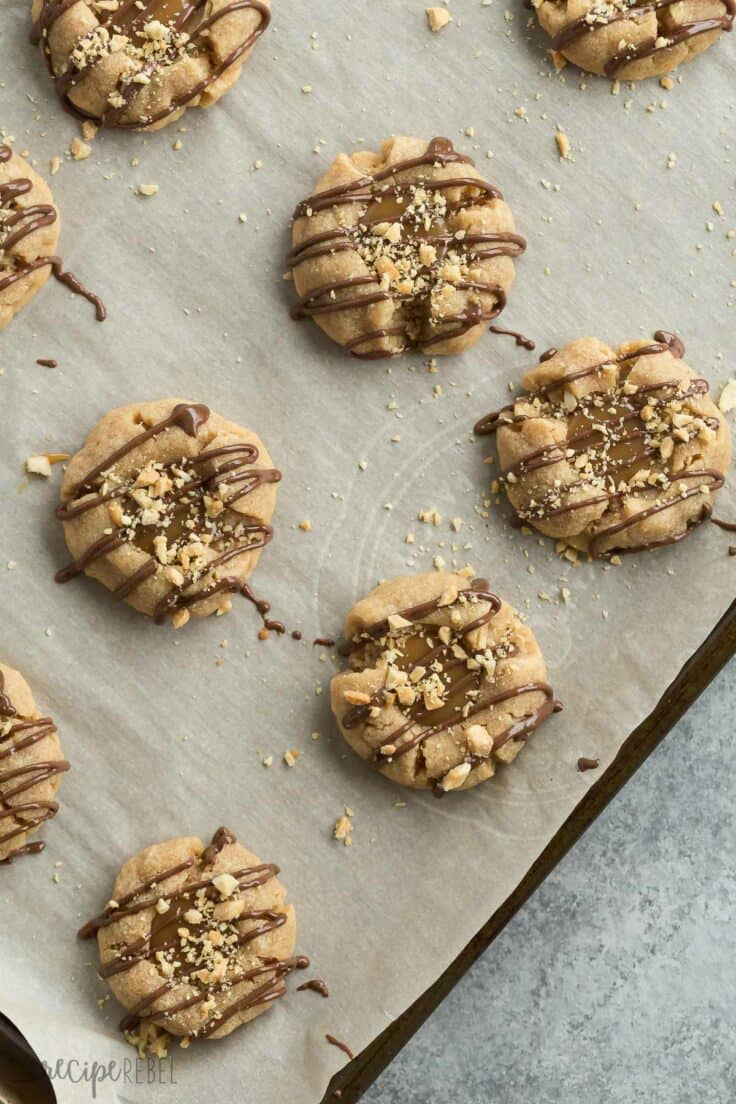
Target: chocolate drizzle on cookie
x,y
16,223
195,933
620,441
410,215
439,679
178,513
17,818
133,29
606,12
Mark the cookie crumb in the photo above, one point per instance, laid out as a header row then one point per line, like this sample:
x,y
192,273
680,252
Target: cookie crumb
x,y
180,618
437,18
558,60
148,189
563,145
39,465
727,400
343,830
148,1039
79,150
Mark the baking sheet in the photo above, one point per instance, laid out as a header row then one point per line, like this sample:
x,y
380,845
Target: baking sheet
x,y
166,731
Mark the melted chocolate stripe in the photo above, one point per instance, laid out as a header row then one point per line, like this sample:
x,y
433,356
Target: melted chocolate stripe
x,y
674,37
664,343
128,905
273,989
558,451
715,482
134,953
184,416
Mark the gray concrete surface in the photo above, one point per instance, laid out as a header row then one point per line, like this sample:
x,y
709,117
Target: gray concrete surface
x,y
616,983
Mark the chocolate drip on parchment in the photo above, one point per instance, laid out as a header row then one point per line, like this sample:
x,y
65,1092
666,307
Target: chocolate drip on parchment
x,y
628,428
590,22
19,817
16,223
381,187
520,339
463,694
333,1041
164,936
129,19
232,467
315,985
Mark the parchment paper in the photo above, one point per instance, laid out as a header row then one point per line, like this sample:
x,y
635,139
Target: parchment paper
x,y
166,731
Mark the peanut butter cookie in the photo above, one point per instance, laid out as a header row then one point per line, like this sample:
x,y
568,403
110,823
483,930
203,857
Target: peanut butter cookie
x,y
168,505
612,450
408,248
444,681
633,39
196,940
31,765
139,64
29,234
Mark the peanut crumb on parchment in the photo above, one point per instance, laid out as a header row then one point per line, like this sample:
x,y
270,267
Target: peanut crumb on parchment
x,y
438,18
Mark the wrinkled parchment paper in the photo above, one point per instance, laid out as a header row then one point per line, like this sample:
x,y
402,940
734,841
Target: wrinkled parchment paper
x,y
166,731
